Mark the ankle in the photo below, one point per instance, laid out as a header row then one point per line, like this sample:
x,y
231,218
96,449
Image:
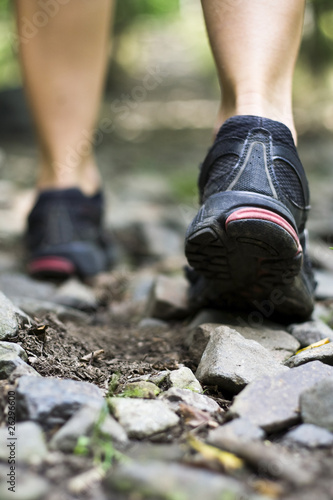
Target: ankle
x,y
55,175
255,104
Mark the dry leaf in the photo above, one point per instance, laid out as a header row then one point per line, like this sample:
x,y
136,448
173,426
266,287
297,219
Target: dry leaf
x,y
316,344
268,488
227,460
92,355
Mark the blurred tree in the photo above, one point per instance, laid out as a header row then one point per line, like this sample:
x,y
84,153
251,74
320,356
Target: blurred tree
x,y
317,46
129,10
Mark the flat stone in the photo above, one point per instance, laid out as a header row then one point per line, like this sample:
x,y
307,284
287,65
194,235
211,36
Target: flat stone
x,y
162,480
82,423
168,298
174,397
8,319
238,428
184,378
35,307
11,356
310,332
29,486
231,362
52,402
73,293
142,418
272,403
317,404
280,343
309,435
323,353
29,445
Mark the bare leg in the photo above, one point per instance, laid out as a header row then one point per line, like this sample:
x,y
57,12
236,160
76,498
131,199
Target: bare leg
x,y
64,62
255,45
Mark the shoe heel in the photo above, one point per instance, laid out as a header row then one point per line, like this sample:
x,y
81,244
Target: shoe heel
x,y
252,247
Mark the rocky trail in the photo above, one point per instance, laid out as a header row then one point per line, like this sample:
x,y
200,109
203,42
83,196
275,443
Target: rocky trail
x,y
115,390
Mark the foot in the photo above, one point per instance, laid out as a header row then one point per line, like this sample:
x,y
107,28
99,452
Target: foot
x,y
247,244
64,235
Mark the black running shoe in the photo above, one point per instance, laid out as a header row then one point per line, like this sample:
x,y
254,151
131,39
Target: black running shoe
x,y
246,245
64,235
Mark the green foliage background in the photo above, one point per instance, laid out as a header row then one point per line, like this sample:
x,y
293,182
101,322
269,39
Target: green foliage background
x,y
316,56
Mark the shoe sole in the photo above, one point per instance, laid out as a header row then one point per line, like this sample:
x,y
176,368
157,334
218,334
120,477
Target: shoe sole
x,y
247,254
52,267
83,259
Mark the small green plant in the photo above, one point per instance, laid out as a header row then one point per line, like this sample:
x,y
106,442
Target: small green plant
x,y
113,384
99,446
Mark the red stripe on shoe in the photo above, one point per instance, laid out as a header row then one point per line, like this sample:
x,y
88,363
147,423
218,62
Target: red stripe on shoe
x,y
262,214
51,264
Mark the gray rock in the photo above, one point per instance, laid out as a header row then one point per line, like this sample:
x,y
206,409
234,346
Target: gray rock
x,y
142,418
111,429
159,240
184,378
21,370
198,339
213,316
320,254
168,298
141,286
310,332
165,481
317,404
8,319
174,397
73,293
143,451
159,378
35,307
310,436
82,423
11,356
321,313
141,389
23,318
323,353
238,428
29,486
278,342
272,403
29,445
231,362
52,402
20,285
269,459
153,325
324,289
